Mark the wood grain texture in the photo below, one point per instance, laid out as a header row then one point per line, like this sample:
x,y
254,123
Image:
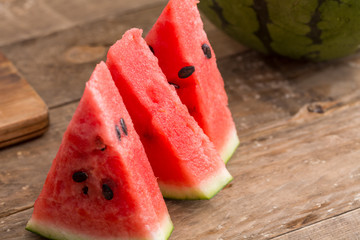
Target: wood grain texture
x,y
23,114
65,60
296,171
21,183
12,227
263,89
27,19
287,175
342,227
290,170
295,166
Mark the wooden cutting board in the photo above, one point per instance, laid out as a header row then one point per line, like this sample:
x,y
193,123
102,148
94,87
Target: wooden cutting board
x,y
23,114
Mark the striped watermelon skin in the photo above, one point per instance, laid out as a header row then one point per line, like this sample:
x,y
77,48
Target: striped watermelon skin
x,y
315,30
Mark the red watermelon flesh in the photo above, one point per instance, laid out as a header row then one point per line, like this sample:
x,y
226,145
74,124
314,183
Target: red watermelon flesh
x,y
183,158
101,185
188,61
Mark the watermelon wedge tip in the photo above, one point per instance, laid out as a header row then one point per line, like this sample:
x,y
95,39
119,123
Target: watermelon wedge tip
x,y
101,185
184,160
187,59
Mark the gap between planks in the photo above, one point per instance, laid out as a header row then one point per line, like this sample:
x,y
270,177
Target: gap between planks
x,y
314,224
173,205
65,60
65,104
16,211
305,228
152,6
57,29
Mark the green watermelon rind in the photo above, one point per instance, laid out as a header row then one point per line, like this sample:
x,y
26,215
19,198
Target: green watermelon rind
x,y
230,147
53,232
312,30
204,191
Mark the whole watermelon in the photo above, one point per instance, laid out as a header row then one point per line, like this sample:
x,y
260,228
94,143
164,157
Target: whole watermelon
x,y
302,29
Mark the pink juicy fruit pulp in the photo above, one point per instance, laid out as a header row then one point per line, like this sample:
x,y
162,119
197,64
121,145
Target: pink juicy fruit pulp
x,y
177,39
91,144
180,154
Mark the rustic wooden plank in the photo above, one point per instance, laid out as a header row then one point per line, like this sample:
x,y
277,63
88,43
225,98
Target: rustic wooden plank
x,y
13,227
23,114
287,175
281,92
262,89
285,178
284,170
343,227
58,65
20,20
24,167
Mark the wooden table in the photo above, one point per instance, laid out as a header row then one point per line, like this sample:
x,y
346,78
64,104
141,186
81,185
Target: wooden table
x,y
296,172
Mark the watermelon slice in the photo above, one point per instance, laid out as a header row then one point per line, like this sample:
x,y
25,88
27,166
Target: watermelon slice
x,y
188,61
184,160
101,185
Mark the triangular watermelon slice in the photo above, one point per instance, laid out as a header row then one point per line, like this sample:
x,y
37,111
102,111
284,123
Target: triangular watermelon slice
x,y
101,185
188,61
183,158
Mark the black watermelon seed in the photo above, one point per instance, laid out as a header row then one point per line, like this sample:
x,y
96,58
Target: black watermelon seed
x,y
151,49
206,49
100,144
123,126
186,71
85,190
175,85
107,192
79,176
118,133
